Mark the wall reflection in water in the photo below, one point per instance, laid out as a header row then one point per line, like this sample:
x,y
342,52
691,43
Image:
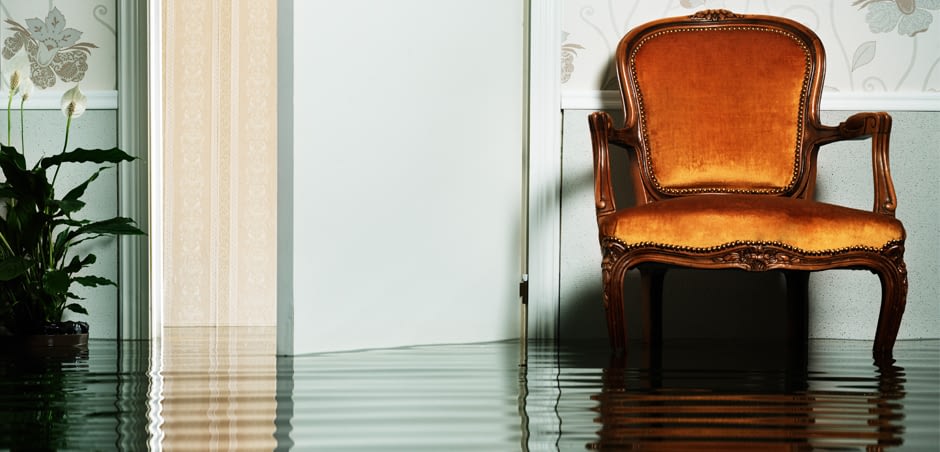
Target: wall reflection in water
x,y
434,398
218,389
212,389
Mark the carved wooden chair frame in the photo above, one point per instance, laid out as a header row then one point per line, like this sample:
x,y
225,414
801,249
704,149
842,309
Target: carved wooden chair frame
x,y
652,259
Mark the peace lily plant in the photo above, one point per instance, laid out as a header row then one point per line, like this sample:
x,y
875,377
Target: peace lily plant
x,y
39,263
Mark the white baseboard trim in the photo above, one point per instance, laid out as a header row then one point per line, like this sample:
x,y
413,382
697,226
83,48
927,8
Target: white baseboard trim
x,y
924,101
590,100
927,101
52,100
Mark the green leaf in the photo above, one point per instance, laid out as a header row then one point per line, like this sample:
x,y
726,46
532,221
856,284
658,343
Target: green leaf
x,y
25,184
10,153
77,264
56,282
116,225
94,281
85,239
61,246
71,203
14,266
113,155
67,207
75,307
68,222
23,225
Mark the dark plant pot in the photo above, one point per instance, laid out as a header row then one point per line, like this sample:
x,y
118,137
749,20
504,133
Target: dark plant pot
x,y
59,335
79,340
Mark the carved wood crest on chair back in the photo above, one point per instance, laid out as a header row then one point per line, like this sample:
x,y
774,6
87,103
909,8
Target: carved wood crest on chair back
x,y
722,130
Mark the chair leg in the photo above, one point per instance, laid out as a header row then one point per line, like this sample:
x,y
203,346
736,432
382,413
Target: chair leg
x,y
651,285
797,306
613,305
893,301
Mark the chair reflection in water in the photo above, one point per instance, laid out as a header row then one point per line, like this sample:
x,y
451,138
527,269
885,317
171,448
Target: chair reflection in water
x,y
753,400
722,131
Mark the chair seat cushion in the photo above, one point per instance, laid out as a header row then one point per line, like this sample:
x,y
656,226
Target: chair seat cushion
x,y
714,220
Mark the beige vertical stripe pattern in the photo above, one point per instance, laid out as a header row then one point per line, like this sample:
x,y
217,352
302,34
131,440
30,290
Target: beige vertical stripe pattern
x,y
220,67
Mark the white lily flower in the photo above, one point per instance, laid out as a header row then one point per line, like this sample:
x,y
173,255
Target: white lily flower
x,y
73,103
26,88
17,70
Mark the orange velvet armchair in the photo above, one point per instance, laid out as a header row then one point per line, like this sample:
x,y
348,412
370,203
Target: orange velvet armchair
x,y
722,131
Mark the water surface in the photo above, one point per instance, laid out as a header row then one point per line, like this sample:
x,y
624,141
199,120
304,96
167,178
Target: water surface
x,y
212,391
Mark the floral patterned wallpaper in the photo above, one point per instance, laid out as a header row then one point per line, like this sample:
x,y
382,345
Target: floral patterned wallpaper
x,y
66,41
871,45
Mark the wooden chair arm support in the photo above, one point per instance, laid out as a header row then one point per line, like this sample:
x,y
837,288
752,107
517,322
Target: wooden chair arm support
x,y
878,127
601,126
603,133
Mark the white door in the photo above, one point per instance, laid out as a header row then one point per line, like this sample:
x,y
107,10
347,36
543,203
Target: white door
x,y
400,216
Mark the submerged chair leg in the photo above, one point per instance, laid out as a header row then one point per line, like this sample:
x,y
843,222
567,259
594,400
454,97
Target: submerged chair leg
x,y
797,306
651,286
893,300
613,275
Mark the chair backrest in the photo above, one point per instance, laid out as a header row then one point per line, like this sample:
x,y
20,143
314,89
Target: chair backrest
x,y
722,103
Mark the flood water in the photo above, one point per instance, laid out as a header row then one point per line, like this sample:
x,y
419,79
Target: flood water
x,y
229,392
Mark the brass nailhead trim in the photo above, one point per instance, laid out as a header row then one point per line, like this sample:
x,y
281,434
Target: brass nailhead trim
x,y
737,243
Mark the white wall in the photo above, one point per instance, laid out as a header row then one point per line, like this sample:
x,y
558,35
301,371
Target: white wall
x,y
400,180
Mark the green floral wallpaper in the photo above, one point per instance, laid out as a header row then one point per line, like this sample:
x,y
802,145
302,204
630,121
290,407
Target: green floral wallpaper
x,y
878,46
66,41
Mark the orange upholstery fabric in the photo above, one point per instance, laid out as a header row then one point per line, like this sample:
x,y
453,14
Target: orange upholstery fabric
x,y
708,221
735,125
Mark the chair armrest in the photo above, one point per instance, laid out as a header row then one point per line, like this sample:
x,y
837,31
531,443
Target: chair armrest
x,y
601,126
878,127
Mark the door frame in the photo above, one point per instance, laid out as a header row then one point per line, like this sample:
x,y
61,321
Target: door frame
x,y
140,193
132,199
155,180
544,176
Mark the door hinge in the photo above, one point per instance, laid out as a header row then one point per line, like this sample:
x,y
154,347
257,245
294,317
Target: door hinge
x,y
524,289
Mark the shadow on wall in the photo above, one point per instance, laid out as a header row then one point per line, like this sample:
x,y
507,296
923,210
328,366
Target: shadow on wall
x,y
697,303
